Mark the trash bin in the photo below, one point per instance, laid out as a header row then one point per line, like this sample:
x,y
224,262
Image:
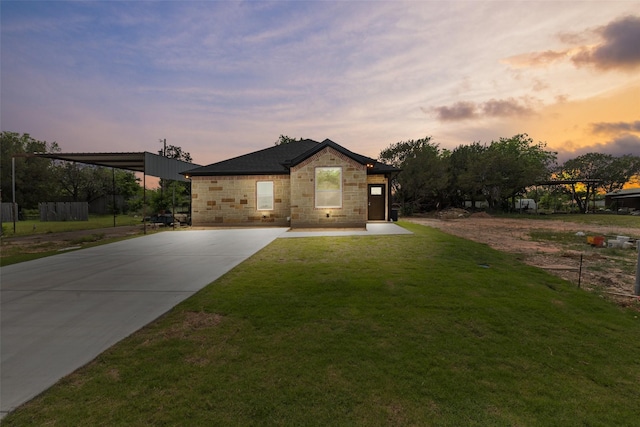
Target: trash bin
x,y
394,215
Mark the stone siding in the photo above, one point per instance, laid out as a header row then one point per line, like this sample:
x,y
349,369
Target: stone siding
x,y
353,212
232,200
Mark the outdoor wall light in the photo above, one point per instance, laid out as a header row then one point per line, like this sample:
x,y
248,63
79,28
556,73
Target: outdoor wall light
x,y
328,214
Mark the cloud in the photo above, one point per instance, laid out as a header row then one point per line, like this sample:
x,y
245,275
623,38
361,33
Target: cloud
x,y
615,128
620,47
463,110
536,59
506,108
458,111
621,146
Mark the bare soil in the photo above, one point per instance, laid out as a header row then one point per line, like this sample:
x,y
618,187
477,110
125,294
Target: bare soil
x,y
605,270
46,242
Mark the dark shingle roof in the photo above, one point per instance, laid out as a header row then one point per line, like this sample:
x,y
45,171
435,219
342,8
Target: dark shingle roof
x,y
278,159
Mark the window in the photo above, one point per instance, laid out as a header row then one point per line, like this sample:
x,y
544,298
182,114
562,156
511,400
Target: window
x,y
264,195
328,187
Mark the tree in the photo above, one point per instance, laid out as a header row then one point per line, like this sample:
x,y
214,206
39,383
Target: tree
x,y
598,171
424,178
284,139
619,171
72,179
87,183
175,152
512,165
165,199
34,181
466,166
497,172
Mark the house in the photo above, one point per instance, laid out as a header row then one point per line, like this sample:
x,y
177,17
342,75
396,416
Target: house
x,y
302,184
624,200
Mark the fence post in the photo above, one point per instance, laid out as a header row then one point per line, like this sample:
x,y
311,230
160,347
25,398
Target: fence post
x,y
637,289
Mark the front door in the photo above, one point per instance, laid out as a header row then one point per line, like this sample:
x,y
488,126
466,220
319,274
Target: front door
x,y
376,202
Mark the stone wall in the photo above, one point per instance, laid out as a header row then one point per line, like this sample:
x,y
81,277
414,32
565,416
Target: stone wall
x,y
231,200
353,212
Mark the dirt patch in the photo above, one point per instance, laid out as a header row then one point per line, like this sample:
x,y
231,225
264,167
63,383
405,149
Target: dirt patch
x,y
46,242
603,269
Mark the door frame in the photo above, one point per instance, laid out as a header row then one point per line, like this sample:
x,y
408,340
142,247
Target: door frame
x,y
383,208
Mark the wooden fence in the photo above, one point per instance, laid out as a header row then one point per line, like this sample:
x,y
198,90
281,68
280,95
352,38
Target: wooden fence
x,y
64,211
6,212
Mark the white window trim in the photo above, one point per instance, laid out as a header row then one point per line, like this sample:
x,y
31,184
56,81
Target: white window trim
x,y
260,196
339,206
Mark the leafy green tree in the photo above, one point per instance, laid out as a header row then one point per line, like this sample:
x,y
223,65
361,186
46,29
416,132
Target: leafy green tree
x,y
86,183
619,171
466,166
34,181
175,194
284,139
598,171
164,201
423,182
512,165
497,172
175,152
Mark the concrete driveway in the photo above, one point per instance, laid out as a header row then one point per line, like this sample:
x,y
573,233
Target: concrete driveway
x,y
59,313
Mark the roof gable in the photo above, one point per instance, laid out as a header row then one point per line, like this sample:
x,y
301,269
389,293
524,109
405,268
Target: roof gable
x,y
278,159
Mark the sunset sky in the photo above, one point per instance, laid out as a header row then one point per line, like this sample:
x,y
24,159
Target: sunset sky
x,y
221,79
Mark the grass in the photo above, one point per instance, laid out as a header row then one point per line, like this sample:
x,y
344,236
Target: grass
x,y
15,254
563,237
31,227
388,330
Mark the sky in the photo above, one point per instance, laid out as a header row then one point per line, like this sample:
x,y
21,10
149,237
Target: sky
x,y
225,78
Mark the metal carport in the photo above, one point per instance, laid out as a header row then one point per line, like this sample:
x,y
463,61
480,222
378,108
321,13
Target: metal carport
x,y
144,162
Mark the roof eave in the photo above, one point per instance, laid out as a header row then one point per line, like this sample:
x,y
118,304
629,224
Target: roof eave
x,y
235,173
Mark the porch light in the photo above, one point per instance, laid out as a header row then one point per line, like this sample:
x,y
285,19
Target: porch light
x,y
369,165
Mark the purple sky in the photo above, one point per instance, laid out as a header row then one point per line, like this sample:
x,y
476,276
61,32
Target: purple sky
x,y
221,79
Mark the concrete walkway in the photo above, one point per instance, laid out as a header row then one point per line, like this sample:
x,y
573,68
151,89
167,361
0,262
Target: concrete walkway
x,y
373,228
59,313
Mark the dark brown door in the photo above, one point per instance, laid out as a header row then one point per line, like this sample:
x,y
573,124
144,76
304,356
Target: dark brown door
x,y
376,202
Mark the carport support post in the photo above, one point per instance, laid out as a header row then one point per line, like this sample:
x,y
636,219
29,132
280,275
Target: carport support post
x,y
144,199
113,187
14,212
173,206
637,289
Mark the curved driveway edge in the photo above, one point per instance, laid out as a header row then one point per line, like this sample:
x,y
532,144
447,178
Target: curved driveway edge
x,y
59,313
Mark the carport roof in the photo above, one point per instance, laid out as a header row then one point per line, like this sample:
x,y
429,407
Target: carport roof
x,y
145,162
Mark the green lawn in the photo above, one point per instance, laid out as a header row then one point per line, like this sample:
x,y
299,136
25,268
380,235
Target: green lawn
x,y
423,329
30,227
